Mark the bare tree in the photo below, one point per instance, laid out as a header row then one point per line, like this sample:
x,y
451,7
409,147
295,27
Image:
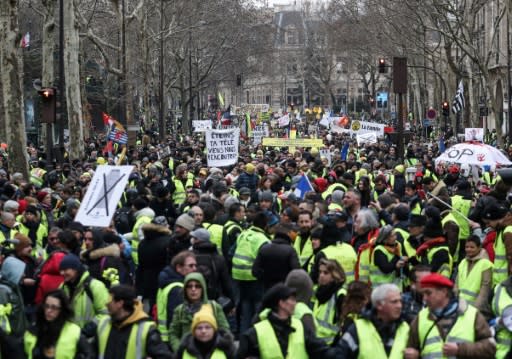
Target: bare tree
x,y
11,65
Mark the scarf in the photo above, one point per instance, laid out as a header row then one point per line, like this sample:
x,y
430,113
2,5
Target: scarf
x,y
422,249
325,292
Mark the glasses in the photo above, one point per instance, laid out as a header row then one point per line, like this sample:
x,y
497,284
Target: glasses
x,y
191,265
51,239
194,286
51,307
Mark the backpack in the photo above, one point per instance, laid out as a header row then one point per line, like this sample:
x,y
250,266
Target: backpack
x,y
206,266
123,220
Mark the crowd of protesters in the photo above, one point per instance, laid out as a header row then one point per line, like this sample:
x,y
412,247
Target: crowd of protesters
x,y
387,256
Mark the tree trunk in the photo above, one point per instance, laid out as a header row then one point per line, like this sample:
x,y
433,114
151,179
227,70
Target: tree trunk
x,y
11,65
72,70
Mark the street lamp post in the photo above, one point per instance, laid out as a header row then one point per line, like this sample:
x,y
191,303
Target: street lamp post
x,y
191,99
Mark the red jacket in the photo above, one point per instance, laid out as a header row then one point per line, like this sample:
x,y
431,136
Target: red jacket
x,y
49,278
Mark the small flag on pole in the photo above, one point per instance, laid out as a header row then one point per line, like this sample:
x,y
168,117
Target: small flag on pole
x,y
221,99
303,186
458,101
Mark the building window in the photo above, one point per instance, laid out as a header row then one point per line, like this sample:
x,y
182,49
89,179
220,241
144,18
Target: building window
x,y
291,36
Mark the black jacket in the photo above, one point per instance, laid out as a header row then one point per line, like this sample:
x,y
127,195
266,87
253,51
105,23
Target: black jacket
x,y
119,336
152,259
214,269
99,259
223,341
316,348
175,297
274,261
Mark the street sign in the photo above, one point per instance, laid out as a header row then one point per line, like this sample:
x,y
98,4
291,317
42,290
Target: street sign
x,y
431,114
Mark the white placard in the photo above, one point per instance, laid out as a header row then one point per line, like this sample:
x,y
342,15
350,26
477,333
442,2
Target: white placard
x,y
202,125
370,137
325,152
103,194
474,134
361,127
259,132
222,147
284,120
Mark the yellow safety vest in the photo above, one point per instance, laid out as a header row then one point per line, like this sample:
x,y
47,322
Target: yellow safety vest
x,y
370,342
346,257
217,354
269,346
136,347
66,344
307,249
501,301
378,277
446,268
500,269
215,234
432,342
247,247
463,206
162,296
135,236
469,282
324,315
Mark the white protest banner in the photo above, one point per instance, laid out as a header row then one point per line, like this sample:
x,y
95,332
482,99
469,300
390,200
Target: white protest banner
x,y
202,125
474,134
222,147
259,132
360,127
325,152
284,120
103,194
338,129
370,137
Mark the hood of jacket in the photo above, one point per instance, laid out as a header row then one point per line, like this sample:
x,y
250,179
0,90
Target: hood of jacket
x,y
300,280
167,276
152,230
198,277
51,266
146,211
112,250
12,270
137,315
481,255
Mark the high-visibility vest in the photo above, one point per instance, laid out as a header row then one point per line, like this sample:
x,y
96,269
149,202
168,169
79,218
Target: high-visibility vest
x,y
463,206
378,277
306,251
363,269
136,347
136,235
503,336
370,342
217,354
269,346
346,257
302,309
215,234
488,180
247,247
469,282
325,315
446,268
41,233
37,176
333,187
85,308
430,338
500,269
180,195
65,347
162,297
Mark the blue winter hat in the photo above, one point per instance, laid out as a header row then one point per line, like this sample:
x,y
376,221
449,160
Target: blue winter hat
x,y
272,219
70,261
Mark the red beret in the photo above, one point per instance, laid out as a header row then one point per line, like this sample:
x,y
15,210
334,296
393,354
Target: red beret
x,y
435,280
41,195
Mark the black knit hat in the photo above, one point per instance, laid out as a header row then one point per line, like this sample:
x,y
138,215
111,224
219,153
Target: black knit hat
x,y
417,220
433,228
275,294
494,211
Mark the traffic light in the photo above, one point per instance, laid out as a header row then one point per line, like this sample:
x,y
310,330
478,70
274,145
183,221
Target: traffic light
x,y
382,66
446,109
48,104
